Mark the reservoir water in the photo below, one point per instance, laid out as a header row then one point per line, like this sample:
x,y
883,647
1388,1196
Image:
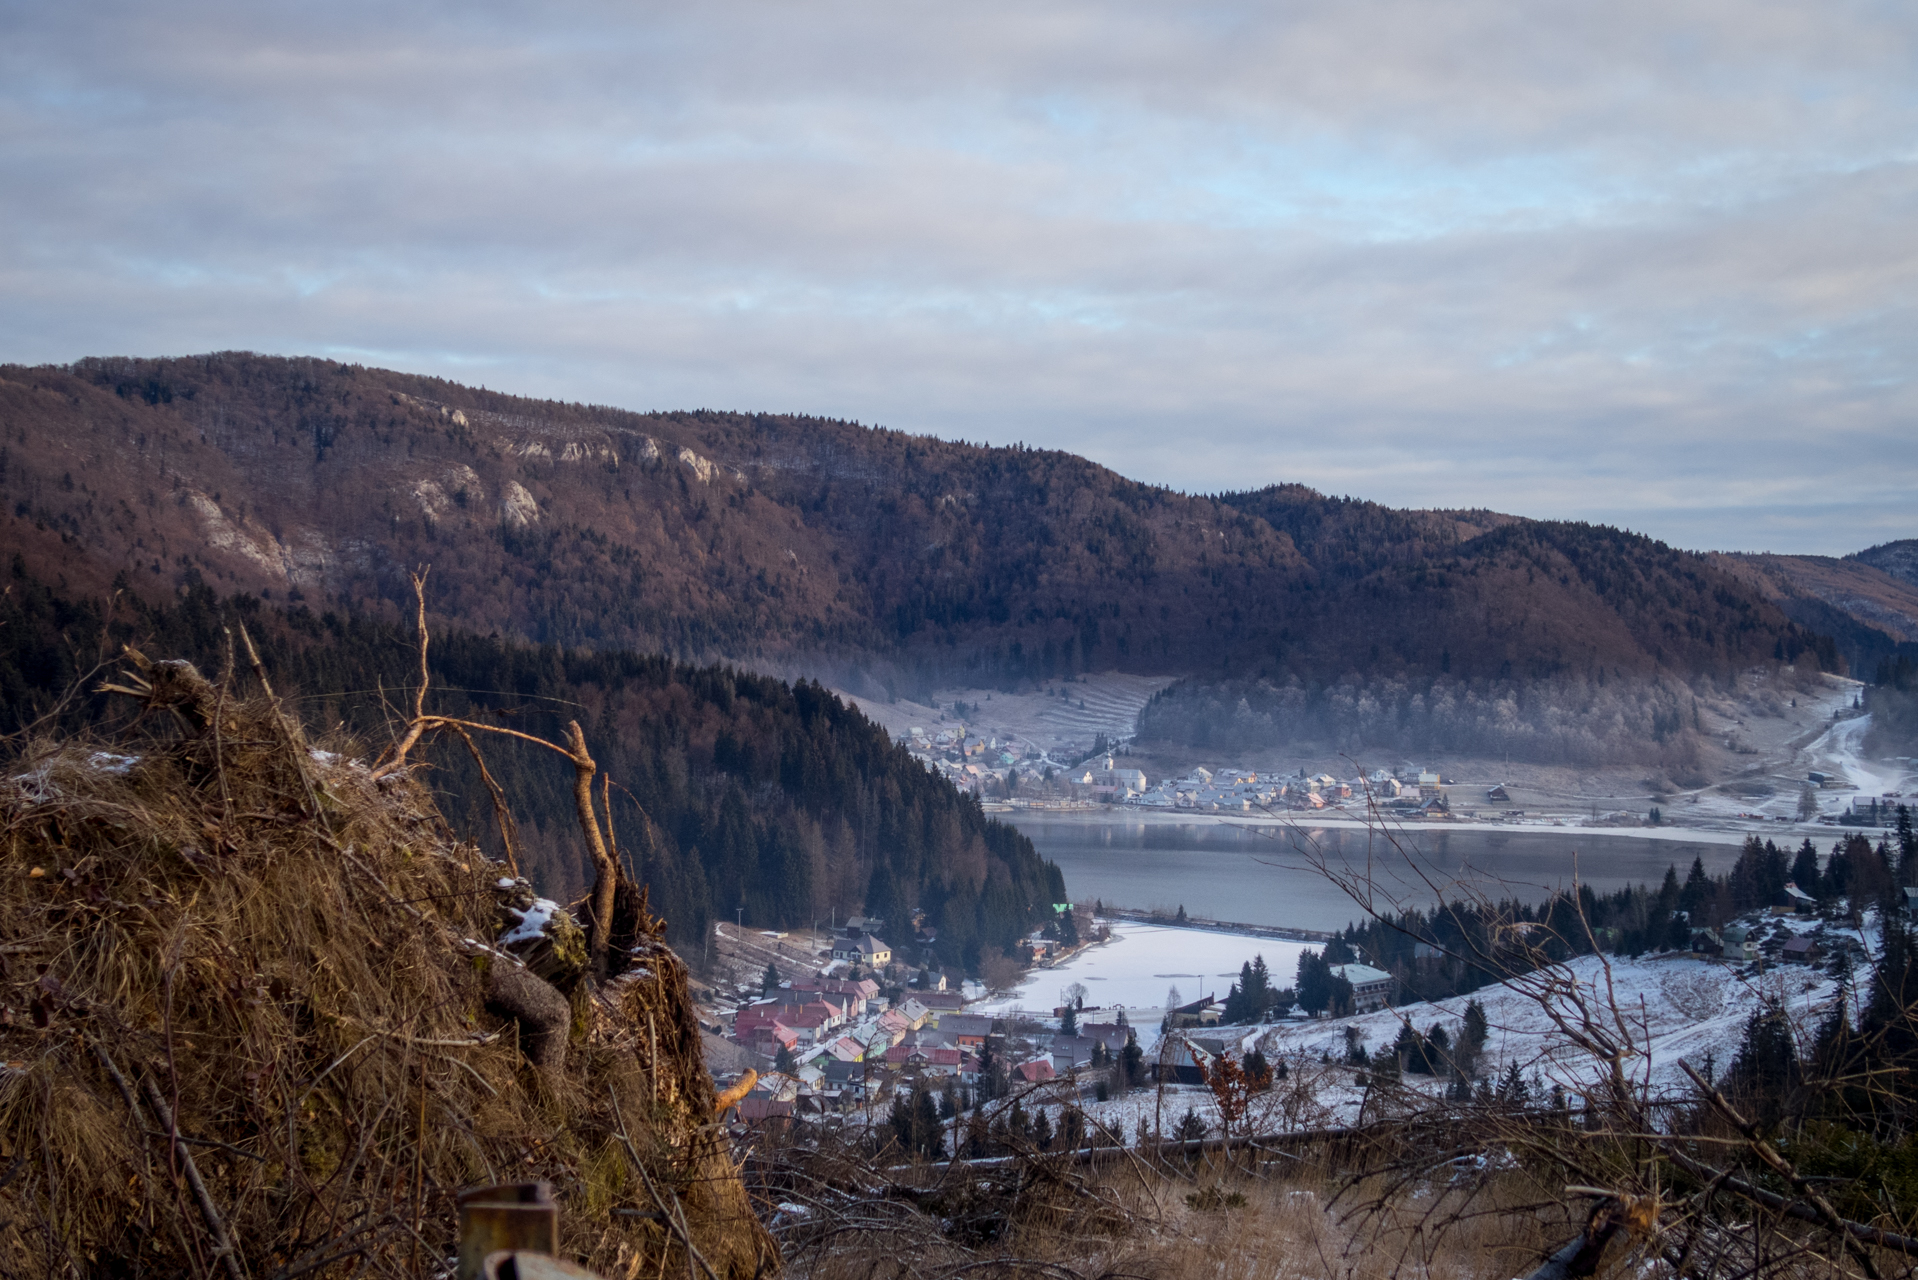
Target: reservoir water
x,y
1264,875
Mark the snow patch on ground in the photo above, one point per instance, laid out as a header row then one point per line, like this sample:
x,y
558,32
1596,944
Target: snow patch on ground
x,y
532,922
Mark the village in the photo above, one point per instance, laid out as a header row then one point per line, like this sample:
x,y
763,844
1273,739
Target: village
x,y
850,1040
837,1029
838,1025
1015,774
1011,775
1072,746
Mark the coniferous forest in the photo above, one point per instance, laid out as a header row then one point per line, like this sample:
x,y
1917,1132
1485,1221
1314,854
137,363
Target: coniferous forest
x,y
1480,943
773,797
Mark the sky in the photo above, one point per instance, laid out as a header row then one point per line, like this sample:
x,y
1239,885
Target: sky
x,y
1650,264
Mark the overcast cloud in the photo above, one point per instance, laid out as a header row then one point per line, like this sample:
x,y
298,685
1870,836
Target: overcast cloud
x,y
1645,263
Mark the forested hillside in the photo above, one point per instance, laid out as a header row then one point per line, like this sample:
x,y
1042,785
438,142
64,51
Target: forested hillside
x,y
1861,601
774,797
885,560
1899,559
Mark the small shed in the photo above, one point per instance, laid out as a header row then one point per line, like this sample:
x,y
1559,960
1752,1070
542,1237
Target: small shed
x,y
1795,902
1739,943
1801,949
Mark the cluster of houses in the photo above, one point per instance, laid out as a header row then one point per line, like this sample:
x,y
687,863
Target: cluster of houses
x,y
1748,940
846,1048
987,766
1230,789
977,764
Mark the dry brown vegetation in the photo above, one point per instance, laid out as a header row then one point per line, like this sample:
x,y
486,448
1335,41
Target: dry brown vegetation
x,y
251,1024
1282,1209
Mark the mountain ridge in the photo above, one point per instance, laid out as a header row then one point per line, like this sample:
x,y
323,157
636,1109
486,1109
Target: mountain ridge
x,y
881,560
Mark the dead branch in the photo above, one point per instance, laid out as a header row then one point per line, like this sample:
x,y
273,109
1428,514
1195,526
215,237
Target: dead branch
x,y
1783,1167
215,1224
606,874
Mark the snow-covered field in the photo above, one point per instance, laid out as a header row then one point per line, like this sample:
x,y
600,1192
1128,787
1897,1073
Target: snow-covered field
x,y
1135,970
1107,702
1671,1008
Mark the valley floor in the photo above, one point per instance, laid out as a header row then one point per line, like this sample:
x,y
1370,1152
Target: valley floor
x,y
1669,1007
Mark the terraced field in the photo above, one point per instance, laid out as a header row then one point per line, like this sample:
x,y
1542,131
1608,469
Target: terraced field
x,y
1062,718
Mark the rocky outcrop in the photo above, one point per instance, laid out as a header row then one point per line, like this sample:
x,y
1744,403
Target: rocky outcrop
x,y
517,507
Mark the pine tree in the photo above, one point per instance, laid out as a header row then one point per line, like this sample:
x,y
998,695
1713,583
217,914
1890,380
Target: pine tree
x,y
1258,991
899,1120
783,1060
1042,1130
1408,1051
1069,1021
1314,982
978,1139
928,1134
1804,869
1697,892
1477,1029
770,980
1512,1089
1072,1129
1765,1073
1191,1127
1439,1049
1132,1062
1258,1069
1907,848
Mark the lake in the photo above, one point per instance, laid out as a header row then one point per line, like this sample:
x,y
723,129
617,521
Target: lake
x,y
1260,875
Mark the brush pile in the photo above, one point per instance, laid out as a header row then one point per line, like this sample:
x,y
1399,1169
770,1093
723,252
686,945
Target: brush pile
x,y
257,1020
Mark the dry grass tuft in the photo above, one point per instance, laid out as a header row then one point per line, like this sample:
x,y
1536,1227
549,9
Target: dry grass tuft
x,y
228,958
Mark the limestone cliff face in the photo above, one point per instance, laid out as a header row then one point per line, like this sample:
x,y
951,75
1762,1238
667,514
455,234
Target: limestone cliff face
x,y
518,507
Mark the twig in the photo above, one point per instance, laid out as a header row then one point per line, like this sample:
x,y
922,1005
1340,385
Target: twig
x,y
502,814
1782,1204
215,1224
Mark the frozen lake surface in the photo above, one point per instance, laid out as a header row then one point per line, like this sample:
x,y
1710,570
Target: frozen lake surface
x,y
1142,961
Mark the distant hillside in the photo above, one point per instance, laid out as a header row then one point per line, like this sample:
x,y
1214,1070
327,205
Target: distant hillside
x,y
1899,559
1870,613
772,797
883,561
